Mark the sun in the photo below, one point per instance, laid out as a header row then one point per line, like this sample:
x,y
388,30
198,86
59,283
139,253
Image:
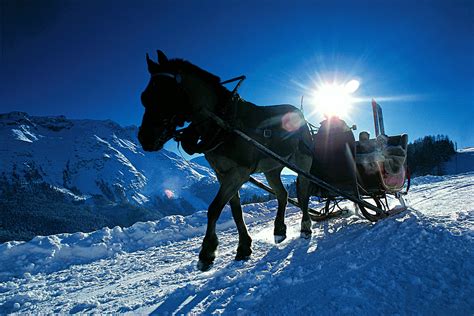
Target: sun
x,y
335,99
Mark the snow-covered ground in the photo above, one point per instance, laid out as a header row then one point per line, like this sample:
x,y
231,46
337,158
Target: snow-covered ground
x,y
419,262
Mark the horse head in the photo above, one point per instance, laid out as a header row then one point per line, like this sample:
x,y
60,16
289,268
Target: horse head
x,y
177,93
166,104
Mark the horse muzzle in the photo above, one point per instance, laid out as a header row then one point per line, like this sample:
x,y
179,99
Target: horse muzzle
x,y
153,140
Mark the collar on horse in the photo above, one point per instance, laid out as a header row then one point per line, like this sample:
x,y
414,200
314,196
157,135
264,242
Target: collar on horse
x,y
191,140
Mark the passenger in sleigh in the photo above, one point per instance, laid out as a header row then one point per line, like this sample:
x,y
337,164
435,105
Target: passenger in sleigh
x,y
389,150
384,156
334,151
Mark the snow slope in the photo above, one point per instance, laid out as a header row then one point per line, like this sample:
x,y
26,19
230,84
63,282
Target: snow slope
x,y
419,262
461,162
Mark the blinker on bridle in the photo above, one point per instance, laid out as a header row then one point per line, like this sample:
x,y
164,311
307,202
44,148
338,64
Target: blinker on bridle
x,y
176,77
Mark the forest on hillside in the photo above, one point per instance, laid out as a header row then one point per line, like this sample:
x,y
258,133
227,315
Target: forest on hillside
x,y
426,155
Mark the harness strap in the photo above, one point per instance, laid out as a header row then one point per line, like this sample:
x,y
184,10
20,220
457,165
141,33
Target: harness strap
x,y
228,109
191,141
240,78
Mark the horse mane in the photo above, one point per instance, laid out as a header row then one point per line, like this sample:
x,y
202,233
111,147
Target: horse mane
x,y
210,78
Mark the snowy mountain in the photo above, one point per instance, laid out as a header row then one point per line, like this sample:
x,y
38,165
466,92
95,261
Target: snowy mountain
x,y
418,262
53,164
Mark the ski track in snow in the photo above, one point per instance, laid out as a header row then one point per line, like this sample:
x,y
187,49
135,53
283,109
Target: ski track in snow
x,y
419,262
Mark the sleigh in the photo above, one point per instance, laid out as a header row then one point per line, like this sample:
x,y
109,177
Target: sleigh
x,y
372,172
371,169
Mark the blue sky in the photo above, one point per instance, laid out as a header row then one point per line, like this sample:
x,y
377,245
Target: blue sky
x,y
85,59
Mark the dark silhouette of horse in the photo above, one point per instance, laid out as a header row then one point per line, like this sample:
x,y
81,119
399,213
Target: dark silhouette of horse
x,y
179,93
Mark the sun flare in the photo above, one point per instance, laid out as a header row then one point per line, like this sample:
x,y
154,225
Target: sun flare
x,y
169,194
334,99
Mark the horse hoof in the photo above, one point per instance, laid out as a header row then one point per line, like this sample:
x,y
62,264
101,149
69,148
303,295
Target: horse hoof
x,y
242,257
279,238
306,226
306,234
243,253
204,266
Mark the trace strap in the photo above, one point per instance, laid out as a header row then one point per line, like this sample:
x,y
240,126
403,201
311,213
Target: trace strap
x,y
241,78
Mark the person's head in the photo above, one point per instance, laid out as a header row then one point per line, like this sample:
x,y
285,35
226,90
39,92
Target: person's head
x,y
364,136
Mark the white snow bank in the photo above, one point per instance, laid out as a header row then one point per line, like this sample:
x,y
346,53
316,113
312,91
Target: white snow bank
x,y
52,253
466,150
56,252
461,162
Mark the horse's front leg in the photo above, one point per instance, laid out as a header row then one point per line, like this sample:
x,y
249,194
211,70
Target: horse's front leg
x,y
230,183
244,250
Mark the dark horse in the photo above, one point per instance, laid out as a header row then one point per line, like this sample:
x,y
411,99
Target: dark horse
x,y
178,93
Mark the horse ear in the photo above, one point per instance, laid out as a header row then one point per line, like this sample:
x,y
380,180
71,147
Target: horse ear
x,y
162,59
151,64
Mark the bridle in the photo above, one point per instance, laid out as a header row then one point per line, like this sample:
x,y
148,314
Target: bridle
x,y
172,122
176,77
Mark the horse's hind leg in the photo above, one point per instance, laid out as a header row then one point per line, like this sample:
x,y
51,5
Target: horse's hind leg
x,y
244,249
230,183
302,190
274,180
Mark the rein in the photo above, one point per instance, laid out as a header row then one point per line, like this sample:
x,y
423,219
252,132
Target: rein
x,y
240,78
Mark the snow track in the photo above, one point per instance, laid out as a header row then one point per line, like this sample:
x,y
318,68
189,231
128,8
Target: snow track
x,y
419,262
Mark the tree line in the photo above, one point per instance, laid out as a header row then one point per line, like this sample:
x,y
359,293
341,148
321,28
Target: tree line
x,y
426,155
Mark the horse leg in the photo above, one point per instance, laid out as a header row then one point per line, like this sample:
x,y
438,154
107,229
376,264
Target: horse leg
x,y
274,180
230,183
244,249
302,191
